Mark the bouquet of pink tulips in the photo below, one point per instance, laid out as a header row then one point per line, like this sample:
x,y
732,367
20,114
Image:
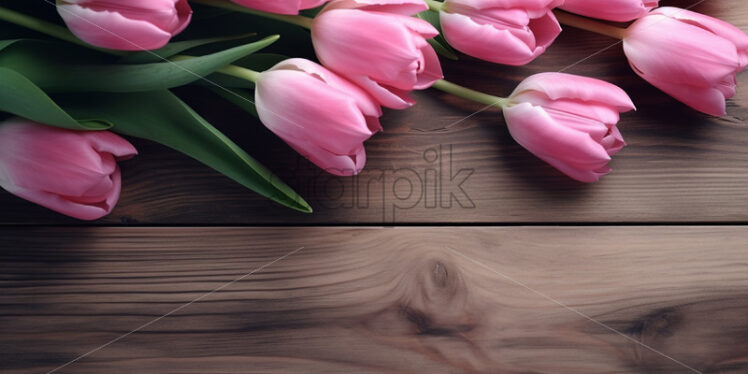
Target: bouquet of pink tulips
x,y
80,76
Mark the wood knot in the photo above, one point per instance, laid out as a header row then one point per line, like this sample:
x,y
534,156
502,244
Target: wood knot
x,y
439,274
661,323
439,282
435,299
428,325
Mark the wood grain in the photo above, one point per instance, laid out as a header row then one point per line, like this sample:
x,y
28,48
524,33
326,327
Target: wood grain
x,y
679,166
436,300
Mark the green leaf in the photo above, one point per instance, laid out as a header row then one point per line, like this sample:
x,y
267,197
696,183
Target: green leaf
x,y
443,49
35,60
162,117
21,97
174,48
438,42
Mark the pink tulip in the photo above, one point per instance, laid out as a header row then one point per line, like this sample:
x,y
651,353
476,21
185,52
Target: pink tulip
x,y
611,10
323,116
71,172
280,6
692,57
510,32
569,122
126,25
376,44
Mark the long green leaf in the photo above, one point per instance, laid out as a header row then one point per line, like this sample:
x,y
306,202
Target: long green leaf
x,y
22,97
174,48
162,117
32,59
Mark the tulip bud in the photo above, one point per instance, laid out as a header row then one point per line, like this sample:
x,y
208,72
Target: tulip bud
x,y
376,44
568,121
71,172
504,32
125,25
692,57
321,115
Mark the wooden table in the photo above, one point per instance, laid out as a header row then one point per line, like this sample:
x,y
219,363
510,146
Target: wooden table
x,y
455,251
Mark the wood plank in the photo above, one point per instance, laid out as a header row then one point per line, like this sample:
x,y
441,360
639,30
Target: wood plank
x,y
438,300
680,166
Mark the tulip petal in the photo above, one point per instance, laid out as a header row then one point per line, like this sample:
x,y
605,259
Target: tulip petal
x,y
603,113
402,7
709,100
721,28
39,157
612,10
664,49
389,97
332,120
369,37
613,141
342,165
561,85
571,151
81,210
506,4
430,70
485,41
107,142
365,102
108,29
67,171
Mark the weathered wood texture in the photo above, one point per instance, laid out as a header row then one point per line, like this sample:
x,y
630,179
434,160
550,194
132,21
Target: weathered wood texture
x,y
429,300
679,165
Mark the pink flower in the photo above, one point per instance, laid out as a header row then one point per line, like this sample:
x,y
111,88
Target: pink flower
x,y
692,57
376,44
321,115
280,6
125,25
568,121
612,10
510,32
71,172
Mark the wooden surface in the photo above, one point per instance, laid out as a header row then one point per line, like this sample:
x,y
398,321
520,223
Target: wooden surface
x,y
606,293
679,166
358,300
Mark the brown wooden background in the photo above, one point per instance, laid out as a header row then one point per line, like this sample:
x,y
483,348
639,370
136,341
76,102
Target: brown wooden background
x,y
649,273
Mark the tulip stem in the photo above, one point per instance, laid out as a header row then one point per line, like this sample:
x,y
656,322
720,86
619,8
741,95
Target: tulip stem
x,y
470,94
240,72
588,24
41,26
434,6
302,21
232,70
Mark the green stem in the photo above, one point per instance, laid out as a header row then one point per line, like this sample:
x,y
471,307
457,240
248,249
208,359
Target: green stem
x,y
232,70
43,27
434,6
469,94
588,24
302,21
